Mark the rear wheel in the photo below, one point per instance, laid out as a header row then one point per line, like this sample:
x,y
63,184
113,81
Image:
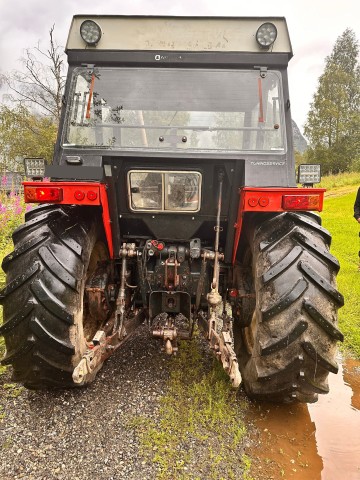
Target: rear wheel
x,y
288,347
46,320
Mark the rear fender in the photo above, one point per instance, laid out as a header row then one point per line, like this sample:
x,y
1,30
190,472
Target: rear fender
x,y
275,200
73,193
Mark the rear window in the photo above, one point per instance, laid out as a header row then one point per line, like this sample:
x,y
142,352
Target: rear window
x,y
175,110
164,191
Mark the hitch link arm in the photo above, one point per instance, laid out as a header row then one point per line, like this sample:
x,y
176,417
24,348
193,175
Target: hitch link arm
x,y
91,360
218,320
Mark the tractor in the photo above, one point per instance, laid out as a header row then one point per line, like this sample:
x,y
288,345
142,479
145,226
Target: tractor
x,y
172,201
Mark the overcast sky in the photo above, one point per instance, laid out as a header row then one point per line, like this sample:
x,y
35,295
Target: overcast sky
x,y
314,26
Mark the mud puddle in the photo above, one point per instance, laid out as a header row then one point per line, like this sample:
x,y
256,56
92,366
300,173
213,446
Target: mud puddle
x,y
311,442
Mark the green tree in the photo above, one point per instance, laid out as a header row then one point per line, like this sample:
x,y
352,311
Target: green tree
x,y
300,158
24,134
333,123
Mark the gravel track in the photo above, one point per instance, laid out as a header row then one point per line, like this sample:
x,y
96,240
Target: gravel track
x,y
80,433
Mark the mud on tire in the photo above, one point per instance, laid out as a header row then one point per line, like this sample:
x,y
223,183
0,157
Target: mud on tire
x,y
289,349
44,329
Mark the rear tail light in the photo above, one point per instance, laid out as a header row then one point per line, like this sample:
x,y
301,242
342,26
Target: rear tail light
x,y
91,195
253,201
43,194
263,201
301,202
79,195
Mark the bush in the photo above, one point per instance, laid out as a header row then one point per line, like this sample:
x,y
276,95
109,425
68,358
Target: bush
x,y
12,211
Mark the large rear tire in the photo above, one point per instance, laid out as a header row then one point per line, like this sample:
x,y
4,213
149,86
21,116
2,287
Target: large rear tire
x,y
289,348
46,323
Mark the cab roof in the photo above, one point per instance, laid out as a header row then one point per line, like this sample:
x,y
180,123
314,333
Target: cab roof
x,y
188,34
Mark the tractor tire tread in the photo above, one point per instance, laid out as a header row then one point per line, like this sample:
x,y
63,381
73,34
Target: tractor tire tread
x,y
295,332
45,283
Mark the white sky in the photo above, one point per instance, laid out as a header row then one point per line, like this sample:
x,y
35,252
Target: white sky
x,y
314,26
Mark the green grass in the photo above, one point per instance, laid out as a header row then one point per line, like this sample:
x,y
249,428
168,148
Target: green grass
x,y
199,408
340,180
338,219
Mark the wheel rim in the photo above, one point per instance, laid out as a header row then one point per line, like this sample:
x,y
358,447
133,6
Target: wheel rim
x,y
91,325
249,334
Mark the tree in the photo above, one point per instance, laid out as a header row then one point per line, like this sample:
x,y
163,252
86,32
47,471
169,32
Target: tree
x,y
24,134
29,121
41,84
333,122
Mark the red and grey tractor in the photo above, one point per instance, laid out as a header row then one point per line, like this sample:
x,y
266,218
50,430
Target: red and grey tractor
x,y
172,201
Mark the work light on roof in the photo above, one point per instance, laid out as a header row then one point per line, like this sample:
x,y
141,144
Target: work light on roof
x,y
266,35
90,32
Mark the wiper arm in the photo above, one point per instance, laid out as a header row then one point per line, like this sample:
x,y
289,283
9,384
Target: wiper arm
x,y
90,95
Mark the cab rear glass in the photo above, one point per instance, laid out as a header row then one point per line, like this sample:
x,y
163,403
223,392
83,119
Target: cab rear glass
x,y
174,110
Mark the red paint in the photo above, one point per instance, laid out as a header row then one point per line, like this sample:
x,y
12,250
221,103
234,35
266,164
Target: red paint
x,y
275,200
106,218
158,245
75,193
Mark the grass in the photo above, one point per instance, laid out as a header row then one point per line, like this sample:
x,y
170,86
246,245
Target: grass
x,y
340,180
199,408
338,219
13,389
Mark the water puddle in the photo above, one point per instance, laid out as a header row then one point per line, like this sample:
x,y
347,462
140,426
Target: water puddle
x,y
311,442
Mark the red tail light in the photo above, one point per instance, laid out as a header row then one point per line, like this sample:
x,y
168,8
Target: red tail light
x,y
301,202
264,201
79,195
91,195
43,194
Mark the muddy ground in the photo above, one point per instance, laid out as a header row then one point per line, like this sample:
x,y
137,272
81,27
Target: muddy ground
x,y
72,434
311,442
